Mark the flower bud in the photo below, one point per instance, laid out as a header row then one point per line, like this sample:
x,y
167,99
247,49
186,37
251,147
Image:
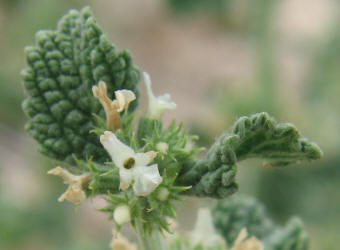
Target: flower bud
x,y
162,147
121,214
163,194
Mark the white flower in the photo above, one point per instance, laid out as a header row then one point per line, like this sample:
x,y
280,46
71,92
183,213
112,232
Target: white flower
x,y
204,231
157,105
132,166
250,244
121,214
74,193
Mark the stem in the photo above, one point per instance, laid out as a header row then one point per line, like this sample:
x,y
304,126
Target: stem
x,y
146,241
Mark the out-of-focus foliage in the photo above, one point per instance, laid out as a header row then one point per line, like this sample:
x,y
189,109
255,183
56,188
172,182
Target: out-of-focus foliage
x,y
237,212
185,6
309,189
232,214
42,225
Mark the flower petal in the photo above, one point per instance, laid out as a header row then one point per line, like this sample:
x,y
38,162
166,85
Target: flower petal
x,y
118,151
143,159
146,179
125,177
123,98
73,194
157,105
147,81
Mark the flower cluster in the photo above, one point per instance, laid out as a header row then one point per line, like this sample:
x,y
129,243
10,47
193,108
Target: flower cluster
x,y
144,166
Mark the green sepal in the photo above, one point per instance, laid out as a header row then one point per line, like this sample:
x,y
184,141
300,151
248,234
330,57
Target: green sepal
x,y
62,68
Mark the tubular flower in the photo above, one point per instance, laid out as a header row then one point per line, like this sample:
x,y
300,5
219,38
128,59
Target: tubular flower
x,y
250,244
113,108
132,166
74,193
157,105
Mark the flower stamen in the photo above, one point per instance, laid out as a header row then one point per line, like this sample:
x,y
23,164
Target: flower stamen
x,y
129,163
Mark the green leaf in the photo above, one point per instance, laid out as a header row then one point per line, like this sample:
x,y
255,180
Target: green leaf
x,y
62,68
280,143
292,236
256,136
232,214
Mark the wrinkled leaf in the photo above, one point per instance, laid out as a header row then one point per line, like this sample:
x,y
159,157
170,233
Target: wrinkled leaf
x,y
257,136
62,68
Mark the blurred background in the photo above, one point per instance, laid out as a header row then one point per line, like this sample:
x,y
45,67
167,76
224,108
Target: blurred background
x,y
219,59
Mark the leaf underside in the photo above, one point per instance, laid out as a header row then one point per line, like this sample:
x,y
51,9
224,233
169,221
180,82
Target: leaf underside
x,y
62,68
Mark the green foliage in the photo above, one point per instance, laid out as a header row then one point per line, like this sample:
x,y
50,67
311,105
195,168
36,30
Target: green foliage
x,y
151,211
256,136
184,6
20,224
180,148
292,236
232,214
105,178
63,66
299,195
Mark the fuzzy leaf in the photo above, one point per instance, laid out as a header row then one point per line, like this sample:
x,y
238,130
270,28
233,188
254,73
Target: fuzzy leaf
x,y
62,68
256,136
292,236
232,214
